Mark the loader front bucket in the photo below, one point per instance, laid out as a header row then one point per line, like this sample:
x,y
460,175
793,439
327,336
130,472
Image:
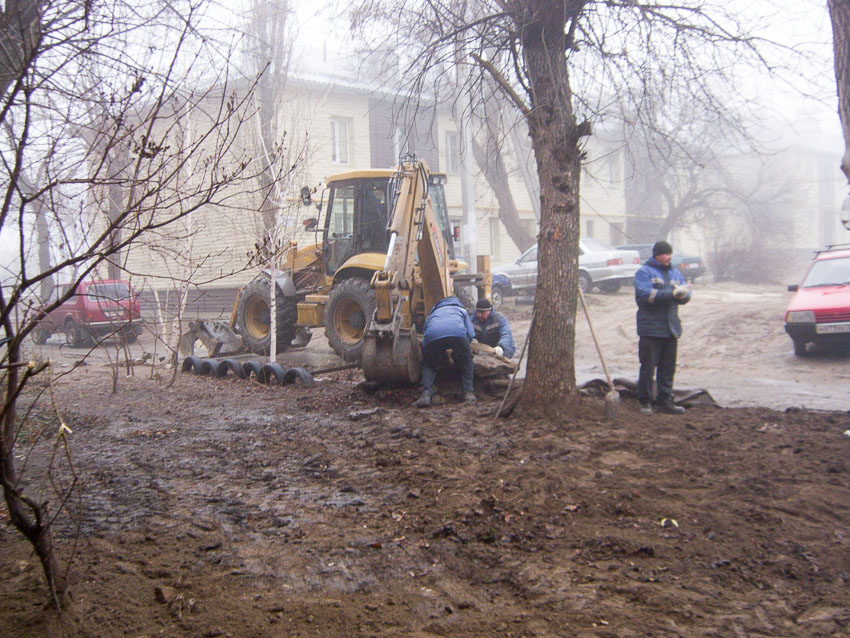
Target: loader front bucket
x,y
392,360
216,336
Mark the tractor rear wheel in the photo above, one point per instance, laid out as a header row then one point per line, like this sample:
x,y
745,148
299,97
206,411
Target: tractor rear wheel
x,y
253,317
351,306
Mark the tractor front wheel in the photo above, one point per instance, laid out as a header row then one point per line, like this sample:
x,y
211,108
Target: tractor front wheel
x,y
351,306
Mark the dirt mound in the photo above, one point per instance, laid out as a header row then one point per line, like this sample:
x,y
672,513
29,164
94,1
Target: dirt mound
x,y
222,508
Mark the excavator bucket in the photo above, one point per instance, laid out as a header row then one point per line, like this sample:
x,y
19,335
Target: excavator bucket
x,y
392,359
216,336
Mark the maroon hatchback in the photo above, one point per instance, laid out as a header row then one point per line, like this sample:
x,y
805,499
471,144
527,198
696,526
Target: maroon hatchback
x,y
95,309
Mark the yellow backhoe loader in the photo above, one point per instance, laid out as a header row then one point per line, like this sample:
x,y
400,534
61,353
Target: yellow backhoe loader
x,y
385,245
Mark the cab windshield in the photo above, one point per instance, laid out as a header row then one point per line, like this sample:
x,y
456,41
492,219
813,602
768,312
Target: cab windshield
x,y
828,272
356,221
110,292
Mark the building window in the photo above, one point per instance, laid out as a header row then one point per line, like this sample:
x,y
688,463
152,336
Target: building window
x,y
339,141
495,239
452,152
588,228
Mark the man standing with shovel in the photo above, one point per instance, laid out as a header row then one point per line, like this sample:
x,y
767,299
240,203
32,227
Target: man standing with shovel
x,y
659,291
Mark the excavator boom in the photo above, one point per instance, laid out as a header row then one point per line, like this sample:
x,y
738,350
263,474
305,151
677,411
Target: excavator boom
x,y
415,276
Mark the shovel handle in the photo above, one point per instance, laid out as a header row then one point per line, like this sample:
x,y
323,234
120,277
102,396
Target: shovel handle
x,y
595,342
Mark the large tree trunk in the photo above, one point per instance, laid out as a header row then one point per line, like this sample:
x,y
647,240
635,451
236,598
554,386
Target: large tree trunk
x,y
839,13
20,30
550,383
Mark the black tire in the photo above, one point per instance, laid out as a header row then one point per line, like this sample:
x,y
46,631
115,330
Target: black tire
x,y
219,370
232,365
74,333
300,375
273,374
253,317
585,283
800,349
351,306
191,363
40,336
209,368
253,369
610,287
497,296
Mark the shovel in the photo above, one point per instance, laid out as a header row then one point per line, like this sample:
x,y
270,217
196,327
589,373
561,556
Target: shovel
x,y
612,399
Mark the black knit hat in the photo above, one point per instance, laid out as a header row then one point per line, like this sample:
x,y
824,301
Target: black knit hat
x,y
661,248
483,304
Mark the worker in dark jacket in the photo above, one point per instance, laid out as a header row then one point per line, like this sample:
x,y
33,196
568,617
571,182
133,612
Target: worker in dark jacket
x,y
659,291
493,329
447,327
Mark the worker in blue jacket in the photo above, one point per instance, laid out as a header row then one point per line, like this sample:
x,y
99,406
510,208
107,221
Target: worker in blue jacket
x,y
492,328
659,291
447,327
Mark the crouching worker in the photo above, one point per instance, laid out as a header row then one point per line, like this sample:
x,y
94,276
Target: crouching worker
x,y
493,329
447,327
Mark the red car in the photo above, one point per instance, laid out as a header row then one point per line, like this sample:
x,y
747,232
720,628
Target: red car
x,y
820,311
95,309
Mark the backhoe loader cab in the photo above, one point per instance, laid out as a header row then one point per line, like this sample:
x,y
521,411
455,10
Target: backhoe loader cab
x,y
359,207
355,219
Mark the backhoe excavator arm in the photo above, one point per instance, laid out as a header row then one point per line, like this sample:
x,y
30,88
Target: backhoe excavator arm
x,y
416,268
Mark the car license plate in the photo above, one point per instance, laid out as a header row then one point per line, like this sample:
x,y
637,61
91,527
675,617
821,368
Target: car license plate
x,y
831,328
692,265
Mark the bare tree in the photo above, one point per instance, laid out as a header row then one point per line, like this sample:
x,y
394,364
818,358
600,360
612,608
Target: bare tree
x,y
134,144
270,32
676,169
551,58
747,208
487,149
268,49
839,13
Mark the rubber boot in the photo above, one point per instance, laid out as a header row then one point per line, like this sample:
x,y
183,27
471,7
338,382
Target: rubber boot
x,y
668,407
424,400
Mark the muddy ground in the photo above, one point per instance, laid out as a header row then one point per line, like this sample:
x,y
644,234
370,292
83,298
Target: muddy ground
x,y
224,508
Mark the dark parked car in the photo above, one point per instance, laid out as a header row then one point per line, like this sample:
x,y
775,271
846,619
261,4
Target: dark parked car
x,y
819,312
691,266
501,286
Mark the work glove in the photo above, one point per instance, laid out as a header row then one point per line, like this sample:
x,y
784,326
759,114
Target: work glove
x,y
681,291
499,351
